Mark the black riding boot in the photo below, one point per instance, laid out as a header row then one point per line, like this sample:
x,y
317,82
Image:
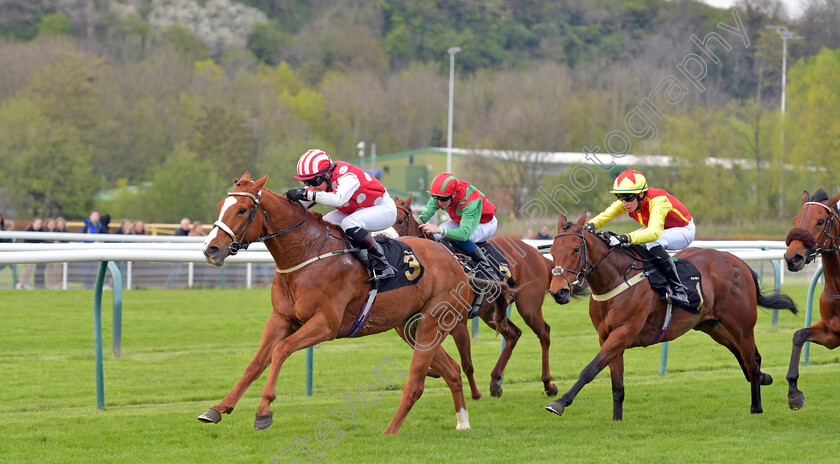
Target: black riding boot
x,y
379,267
676,292
484,265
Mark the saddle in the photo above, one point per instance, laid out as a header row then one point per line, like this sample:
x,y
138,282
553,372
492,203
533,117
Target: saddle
x,y
494,256
689,276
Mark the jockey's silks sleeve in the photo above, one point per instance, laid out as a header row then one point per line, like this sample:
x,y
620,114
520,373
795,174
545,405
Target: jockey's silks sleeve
x,y
659,208
470,218
347,186
429,210
613,211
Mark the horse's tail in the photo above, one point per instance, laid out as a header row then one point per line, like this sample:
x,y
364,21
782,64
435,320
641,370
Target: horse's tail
x,y
502,295
775,300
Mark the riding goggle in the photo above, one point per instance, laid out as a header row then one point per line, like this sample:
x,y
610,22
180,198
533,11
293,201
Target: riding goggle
x,y
314,182
442,199
626,196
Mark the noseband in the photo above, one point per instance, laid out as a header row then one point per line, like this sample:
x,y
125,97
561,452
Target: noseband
x,y
236,245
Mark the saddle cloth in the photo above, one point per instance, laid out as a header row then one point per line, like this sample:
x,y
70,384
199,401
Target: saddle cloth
x,y
689,276
409,269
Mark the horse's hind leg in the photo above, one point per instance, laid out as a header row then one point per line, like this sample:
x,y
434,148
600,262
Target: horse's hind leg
x,y
275,329
817,333
748,351
420,362
448,368
461,335
511,334
720,335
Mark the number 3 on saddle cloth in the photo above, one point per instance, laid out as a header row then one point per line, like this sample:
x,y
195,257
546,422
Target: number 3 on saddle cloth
x,y
689,276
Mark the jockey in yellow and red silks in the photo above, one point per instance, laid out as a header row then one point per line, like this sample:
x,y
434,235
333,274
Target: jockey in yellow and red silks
x,y
667,224
361,201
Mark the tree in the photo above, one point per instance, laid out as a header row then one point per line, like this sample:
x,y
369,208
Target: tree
x,y
54,25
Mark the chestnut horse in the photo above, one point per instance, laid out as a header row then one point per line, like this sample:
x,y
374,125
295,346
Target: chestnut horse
x,y
532,273
319,290
627,315
816,230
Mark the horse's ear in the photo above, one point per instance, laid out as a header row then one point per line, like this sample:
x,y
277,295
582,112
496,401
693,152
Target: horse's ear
x,y
833,200
805,197
260,183
582,220
245,177
561,221
408,200
396,199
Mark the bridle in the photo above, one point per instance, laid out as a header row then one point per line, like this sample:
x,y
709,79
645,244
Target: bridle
x,y
236,245
407,222
827,238
583,268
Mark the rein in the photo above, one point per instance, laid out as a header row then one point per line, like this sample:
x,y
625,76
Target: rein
x,y
406,226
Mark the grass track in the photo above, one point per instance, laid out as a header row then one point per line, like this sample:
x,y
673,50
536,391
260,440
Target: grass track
x,y
184,350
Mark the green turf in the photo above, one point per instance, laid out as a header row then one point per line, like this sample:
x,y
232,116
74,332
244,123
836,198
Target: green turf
x,y
184,350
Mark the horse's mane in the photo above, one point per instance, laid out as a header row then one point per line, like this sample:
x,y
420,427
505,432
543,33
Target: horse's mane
x,y
314,215
819,196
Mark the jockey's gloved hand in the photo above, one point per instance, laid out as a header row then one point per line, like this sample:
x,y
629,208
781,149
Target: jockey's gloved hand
x,y
621,239
589,227
297,194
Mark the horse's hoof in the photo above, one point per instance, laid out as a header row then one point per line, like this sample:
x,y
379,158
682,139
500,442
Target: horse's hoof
x,y
796,401
552,390
766,379
757,410
496,391
263,422
210,416
476,395
555,407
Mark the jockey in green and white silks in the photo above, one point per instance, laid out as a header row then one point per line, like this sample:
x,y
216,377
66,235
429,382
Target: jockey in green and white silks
x,y
472,217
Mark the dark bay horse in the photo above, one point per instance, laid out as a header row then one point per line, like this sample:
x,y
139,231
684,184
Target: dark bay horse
x,y
816,230
532,273
626,317
319,290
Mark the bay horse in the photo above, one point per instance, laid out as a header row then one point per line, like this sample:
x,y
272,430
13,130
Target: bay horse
x,y
627,315
816,231
319,289
532,272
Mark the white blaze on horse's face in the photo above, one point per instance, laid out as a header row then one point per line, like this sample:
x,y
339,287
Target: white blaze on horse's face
x,y
229,201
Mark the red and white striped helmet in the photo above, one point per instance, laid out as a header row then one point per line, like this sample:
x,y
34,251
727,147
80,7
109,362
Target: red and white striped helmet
x,y
313,163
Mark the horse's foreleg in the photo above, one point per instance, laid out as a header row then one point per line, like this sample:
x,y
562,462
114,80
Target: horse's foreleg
x,y
448,368
314,331
617,378
817,333
613,347
275,329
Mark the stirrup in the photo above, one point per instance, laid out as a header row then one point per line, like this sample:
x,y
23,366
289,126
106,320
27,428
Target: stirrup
x,y
673,297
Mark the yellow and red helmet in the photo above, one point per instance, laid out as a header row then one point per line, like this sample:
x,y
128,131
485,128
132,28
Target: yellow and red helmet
x,y
312,164
630,182
443,186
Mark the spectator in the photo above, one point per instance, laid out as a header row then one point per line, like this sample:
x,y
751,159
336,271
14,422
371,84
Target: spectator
x,y
105,222
139,228
36,226
54,270
125,227
197,229
92,226
544,234
529,234
175,273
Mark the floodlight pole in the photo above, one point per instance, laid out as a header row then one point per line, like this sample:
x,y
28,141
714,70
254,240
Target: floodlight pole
x,y
785,34
452,52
